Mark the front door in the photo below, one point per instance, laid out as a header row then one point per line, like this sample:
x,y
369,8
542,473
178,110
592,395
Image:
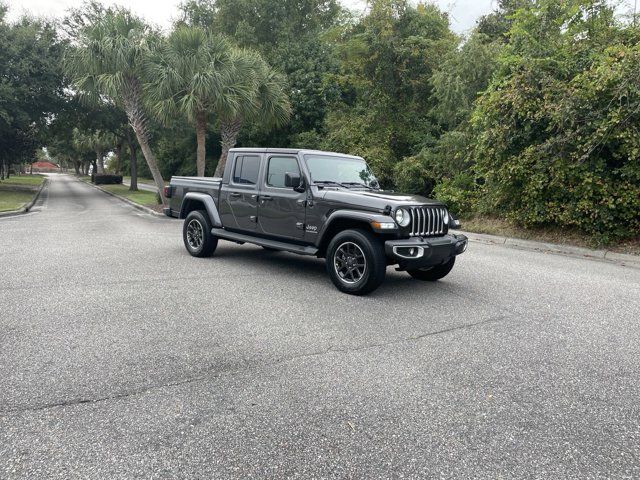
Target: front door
x,y
281,210
239,202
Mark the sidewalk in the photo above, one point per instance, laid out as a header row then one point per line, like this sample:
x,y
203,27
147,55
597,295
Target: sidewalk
x,y
142,186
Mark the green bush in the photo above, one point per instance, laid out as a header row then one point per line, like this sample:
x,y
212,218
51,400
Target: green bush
x,y
458,193
558,132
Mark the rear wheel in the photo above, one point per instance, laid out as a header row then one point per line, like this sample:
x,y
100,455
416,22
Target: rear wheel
x,y
356,262
196,233
431,274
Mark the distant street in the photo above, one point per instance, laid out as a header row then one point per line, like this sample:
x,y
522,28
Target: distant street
x,y
123,357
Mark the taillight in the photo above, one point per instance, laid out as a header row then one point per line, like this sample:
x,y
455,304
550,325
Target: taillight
x,y
167,192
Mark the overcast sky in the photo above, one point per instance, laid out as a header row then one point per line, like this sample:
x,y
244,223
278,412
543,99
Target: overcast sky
x,y
463,13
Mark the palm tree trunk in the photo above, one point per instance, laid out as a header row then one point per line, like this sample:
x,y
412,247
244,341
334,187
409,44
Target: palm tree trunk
x,y
118,151
153,166
133,184
201,133
100,162
229,131
138,121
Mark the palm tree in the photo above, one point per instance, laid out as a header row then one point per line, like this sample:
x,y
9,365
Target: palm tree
x,y
194,73
97,141
108,60
268,104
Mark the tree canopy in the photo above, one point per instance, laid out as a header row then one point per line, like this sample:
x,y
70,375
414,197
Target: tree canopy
x,y
532,116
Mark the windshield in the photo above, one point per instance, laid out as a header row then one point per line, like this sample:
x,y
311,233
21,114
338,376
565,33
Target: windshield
x,y
344,170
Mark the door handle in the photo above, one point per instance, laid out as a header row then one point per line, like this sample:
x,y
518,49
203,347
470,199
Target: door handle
x,y
265,198
235,194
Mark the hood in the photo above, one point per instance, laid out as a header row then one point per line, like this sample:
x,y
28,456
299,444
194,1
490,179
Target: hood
x,y
373,199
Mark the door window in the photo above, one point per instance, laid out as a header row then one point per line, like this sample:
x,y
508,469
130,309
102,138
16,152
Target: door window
x,y
246,170
278,166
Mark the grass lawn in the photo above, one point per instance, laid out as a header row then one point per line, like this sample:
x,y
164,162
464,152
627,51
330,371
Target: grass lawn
x,y
141,196
29,180
562,236
16,191
14,199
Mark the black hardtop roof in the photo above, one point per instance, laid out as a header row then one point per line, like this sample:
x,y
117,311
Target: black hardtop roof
x,y
294,151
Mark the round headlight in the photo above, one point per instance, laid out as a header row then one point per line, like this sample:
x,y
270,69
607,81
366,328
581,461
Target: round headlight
x,y
402,217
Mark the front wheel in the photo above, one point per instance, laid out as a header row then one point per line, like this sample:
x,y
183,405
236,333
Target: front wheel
x,y
431,274
196,233
356,262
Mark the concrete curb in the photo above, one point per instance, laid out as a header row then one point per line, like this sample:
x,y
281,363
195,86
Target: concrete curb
x,y
29,205
627,259
126,200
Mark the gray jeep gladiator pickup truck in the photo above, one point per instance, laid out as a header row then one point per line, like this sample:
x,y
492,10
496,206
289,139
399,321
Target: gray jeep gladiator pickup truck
x,y
324,204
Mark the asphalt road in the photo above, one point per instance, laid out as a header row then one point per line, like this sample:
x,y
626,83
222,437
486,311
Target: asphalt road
x,y
123,357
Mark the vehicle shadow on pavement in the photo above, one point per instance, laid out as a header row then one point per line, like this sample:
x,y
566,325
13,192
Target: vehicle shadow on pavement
x,y
313,270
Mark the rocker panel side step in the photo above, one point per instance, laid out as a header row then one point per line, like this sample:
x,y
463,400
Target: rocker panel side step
x,y
275,244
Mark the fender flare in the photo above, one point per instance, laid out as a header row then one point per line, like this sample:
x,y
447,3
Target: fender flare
x,y
357,215
208,203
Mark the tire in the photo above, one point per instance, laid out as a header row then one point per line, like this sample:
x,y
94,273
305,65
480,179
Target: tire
x,y
196,234
431,274
356,262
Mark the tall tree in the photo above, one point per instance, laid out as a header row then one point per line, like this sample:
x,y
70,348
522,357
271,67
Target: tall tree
x,y
97,141
293,37
384,98
194,73
31,86
109,59
268,104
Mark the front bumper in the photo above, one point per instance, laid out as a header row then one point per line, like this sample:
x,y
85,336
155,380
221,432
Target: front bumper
x,y
419,252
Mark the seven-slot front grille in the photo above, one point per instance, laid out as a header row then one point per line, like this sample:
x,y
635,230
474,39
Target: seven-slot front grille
x,y
428,221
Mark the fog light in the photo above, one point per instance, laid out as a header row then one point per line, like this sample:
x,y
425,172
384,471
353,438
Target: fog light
x,y
408,252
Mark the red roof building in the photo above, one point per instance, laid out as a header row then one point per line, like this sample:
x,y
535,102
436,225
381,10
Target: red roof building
x,y
44,167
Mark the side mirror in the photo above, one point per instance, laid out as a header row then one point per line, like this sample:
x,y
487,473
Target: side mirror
x,y
293,180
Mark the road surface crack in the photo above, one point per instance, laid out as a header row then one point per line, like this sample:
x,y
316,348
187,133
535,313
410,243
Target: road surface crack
x,y
229,373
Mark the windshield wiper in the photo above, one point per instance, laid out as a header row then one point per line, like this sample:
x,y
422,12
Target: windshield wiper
x,y
331,182
358,184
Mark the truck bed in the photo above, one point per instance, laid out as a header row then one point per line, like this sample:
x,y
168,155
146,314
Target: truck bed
x,y
181,186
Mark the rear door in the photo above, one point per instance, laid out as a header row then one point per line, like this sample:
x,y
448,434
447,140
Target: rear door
x,y
239,199
281,210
